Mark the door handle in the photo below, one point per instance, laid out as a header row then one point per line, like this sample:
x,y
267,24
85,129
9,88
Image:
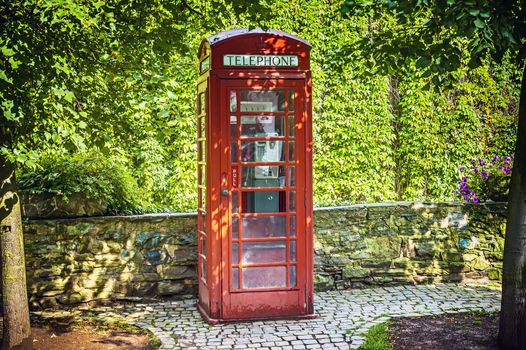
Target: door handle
x,y
224,192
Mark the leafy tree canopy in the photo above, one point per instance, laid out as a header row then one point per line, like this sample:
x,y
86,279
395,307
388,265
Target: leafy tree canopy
x,y
439,35
119,76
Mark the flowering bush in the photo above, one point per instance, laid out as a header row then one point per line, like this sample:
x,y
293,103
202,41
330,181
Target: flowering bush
x,y
485,181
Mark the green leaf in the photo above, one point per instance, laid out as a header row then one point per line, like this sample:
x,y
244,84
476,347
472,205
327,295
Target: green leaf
x,y
479,23
4,77
423,62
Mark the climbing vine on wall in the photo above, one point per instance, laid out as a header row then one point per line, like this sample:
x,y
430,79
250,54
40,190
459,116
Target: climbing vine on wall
x,y
375,139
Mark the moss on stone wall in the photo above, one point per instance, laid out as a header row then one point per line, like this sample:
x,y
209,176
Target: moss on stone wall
x,y
393,243
83,259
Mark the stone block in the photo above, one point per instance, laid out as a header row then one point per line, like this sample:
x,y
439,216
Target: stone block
x,y
427,248
144,289
352,271
495,274
178,272
322,282
47,302
171,287
479,263
384,247
70,298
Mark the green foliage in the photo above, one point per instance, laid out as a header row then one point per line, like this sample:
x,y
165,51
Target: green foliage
x,y
377,338
105,178
438,131
119,77
439,37
484,180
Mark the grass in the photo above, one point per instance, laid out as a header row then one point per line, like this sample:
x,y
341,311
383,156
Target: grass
x,y
377,338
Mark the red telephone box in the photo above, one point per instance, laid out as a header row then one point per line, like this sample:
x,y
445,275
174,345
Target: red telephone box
x,y
255,229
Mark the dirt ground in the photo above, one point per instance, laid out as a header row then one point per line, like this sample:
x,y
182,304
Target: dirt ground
x,y
467,331
58,336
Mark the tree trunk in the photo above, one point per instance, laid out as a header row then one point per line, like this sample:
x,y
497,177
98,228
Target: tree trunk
x,y
512,331
16,328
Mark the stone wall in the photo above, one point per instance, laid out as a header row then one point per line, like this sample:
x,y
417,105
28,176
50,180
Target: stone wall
x,y
386,244
83,259
77,260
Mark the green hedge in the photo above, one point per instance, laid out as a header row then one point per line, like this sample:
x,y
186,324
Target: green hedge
x,y
375,139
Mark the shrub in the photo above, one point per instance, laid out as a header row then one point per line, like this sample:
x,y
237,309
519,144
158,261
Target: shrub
x,y
104,178
485,181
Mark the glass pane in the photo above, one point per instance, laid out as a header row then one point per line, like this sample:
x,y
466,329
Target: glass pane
x,y
292,151
291,125
203,149
264,226
203,245
204,201
233,126
235,257
265,277
262,126
292,253
262,101
292,226
235,278
292,176
202,103
233,152
262,151
293,276
292,201
263,202
203,174
235,228
235,203
203,220
263,176
291,101
233,101
203,126
264,252
203,268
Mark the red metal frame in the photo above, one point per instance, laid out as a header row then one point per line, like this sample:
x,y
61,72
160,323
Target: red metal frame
x,y
219,300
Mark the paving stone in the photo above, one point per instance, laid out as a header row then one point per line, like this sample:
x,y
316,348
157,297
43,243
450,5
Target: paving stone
x,y
343,316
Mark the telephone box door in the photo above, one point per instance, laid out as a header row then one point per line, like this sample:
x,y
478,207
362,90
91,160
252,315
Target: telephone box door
x,y
263,198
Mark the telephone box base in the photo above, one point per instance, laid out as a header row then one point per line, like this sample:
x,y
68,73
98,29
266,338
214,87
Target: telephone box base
x,y
214,321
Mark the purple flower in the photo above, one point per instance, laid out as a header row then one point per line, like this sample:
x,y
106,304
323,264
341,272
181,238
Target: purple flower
x,y
475,170
473,160
506,170
481,162
461,169
507,160
475,200
494,159
484,175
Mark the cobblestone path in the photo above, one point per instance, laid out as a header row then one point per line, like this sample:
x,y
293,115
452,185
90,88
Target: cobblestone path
x,y
343,316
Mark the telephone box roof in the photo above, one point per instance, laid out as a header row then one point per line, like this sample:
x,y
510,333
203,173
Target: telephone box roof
x,y
229,34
